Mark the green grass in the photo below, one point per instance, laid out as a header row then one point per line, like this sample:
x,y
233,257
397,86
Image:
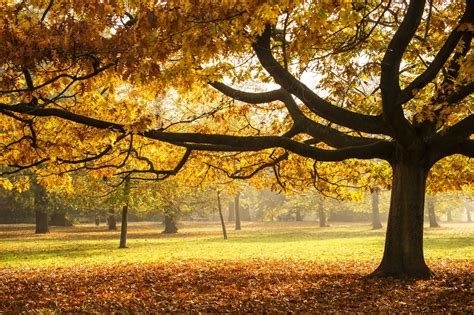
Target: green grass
x,y
87,244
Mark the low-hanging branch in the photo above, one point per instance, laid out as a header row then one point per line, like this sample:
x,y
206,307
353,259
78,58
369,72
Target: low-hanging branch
x,y
256,167
160,174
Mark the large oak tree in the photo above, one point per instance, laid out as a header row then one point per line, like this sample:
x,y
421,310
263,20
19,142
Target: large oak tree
x,y
387,84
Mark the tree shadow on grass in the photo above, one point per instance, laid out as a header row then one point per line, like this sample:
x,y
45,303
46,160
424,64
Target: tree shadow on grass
x,y
97,233
450,243
295,236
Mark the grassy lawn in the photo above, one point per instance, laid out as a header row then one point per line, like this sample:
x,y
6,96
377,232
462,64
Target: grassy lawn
x,y
91,245
81,270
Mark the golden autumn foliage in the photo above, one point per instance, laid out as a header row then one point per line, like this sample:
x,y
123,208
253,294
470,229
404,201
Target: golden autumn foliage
x,y
145,65
144,89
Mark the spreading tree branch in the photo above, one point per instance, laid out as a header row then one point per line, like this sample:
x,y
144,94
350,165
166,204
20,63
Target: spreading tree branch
x,y
328,135
338,115
393,114
441,57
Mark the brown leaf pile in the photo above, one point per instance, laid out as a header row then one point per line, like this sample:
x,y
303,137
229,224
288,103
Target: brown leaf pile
x,y
229,286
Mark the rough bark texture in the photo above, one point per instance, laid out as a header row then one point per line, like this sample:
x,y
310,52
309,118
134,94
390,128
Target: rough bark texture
x,y
221,217
124,226
403,254
237,212
111,221
231,212
376,224
322,214
431,212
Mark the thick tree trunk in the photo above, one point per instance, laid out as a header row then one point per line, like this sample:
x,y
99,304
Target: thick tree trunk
x,y
41,222
237,212
449,215
376,224
124,226
170,225
403,254
431,212
322,214
224,231
111,221
231,212
170,221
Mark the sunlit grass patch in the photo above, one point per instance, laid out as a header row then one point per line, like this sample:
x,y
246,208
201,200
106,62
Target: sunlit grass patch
x,y
87,244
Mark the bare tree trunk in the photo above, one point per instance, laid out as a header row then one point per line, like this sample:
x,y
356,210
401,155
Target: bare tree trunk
x,y
124,226
403,254
170,221
42,226
231,212
111,221
224,231
468,214
170,225
431,212
376,224
41,205
237,212
322,214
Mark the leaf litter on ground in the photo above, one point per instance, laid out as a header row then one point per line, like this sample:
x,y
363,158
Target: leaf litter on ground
x,y
234,286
